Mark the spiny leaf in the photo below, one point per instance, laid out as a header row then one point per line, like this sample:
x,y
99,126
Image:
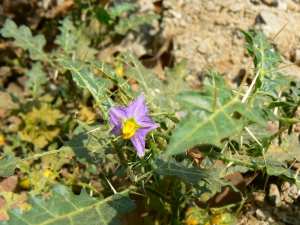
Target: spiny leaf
x,y
262,51
65,208
24,39
8,163
87,146
85,79
289,150
40,124
73,41
266,60
134,22
204,179
150,84
273,167
67,39
37,78
211,117
121,8
193,130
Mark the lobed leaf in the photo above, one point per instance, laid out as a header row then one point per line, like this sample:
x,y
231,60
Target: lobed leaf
x,y
65,208
120,9
8,163
205,180
85,79
134,22
213,115
67,39
37,78
24,39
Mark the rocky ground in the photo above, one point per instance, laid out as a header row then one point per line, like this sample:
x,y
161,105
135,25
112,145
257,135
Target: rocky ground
x,y
207,32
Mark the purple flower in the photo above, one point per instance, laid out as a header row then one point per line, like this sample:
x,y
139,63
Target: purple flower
x,y
132,122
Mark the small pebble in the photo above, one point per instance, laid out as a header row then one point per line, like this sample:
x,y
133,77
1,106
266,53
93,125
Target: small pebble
x,y
274,195
296,57
270,2
260,214
259,198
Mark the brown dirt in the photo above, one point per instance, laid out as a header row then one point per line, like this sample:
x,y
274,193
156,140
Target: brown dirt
x,y
207,32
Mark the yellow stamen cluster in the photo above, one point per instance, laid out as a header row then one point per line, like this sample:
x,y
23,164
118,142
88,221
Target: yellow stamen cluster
x,y
129,127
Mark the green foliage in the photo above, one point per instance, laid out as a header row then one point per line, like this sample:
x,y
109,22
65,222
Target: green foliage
x,y
85,79
119,9
90,146
67,39
134,22
212,117
264,55
199,216
64,207
164,94
37,78
40,125
208,181
24,39
73,41
8,164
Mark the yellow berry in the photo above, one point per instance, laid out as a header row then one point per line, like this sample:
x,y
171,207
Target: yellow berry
x,y
191,221
25,183
120,71
48,173
2,139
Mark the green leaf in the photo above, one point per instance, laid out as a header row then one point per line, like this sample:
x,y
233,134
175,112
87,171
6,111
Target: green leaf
x,y
206,180
120,9
149,83
24,39
194,130
67,39
288,150
213,114
272,166
73,41
90,146
37,78
134,22
8,164
85,79
263,53
65,208
102,15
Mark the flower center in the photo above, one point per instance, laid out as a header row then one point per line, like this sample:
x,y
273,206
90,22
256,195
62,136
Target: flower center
x,y
129,128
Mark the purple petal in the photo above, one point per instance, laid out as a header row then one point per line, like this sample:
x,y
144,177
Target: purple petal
x,y
147,122
137,108
138,141
116,130
116,115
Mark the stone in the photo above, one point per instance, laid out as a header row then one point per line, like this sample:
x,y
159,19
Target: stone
x,y
272,23
270,2
260,214
259,198
282,5
255,2
274,195
294,192
296,56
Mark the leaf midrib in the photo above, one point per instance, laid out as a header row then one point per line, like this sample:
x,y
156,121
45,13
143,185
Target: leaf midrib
x,y
210,118
79,210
